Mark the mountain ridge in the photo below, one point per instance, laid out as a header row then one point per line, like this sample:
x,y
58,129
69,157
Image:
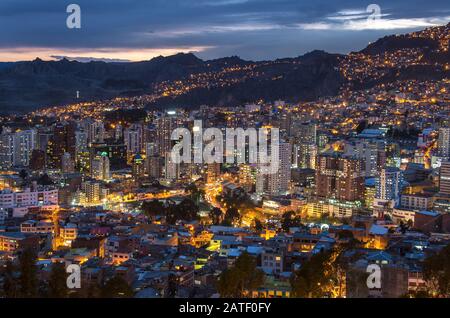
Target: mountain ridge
x,y
184,79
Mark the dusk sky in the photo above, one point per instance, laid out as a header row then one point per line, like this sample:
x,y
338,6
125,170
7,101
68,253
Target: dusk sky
x,y
251,29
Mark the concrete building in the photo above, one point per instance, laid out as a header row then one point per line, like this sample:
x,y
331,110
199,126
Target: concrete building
x,y
340,177
444,178
28,198
16,148
444,142
276,183
389,184
100,168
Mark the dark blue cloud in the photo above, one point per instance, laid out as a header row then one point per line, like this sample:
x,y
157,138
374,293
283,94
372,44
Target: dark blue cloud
x,y
253,29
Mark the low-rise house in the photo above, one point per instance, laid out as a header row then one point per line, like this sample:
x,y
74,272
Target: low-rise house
x,y
33,226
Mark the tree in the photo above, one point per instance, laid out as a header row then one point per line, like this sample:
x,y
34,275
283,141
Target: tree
x,y
232,216
289,219
309,280
45,180
93,290
10,288
320,276
187,210
361,126
258,225
436,271
235,199
153,208
410,223
419,294
195,193
216,215
58,281
242,279
116,287
345,234
23,174
28,274
228,284
172,286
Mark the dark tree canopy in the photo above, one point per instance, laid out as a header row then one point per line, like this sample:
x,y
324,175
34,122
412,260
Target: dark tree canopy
x,y
290,219
242,279
436,271
153,208
231,216
216,215
116,287
57,285
28,274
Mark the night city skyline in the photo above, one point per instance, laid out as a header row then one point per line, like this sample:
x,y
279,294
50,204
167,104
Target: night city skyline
x,y
234,152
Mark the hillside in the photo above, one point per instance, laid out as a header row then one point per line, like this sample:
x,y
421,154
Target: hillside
x,y
184,79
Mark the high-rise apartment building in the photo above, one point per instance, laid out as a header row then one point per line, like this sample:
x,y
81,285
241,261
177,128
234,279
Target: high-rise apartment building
x,y
389,184
276,183
16,148
133,140
339,177
372,153
305,155
138,167
96,132
172,169
100,168
444,142
212,172
63,140
444,178
67,163
305,133
92,192
164,128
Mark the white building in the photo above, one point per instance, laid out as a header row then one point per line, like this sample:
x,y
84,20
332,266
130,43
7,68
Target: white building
x,y
366,151
96,132
272,261
403,215
6,150
165,125
172,169
444,178
388,184
33,226
67,163
81,141
133,140
28,198
100,168
417,202
444,142
68,233
276,183
16,148
92,192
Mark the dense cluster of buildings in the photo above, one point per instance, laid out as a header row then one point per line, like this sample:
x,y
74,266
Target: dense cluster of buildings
x,y
74,189
373,165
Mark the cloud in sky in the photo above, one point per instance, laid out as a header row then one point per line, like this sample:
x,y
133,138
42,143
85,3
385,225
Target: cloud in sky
x,y
94,54
88,59
253,29
360,20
